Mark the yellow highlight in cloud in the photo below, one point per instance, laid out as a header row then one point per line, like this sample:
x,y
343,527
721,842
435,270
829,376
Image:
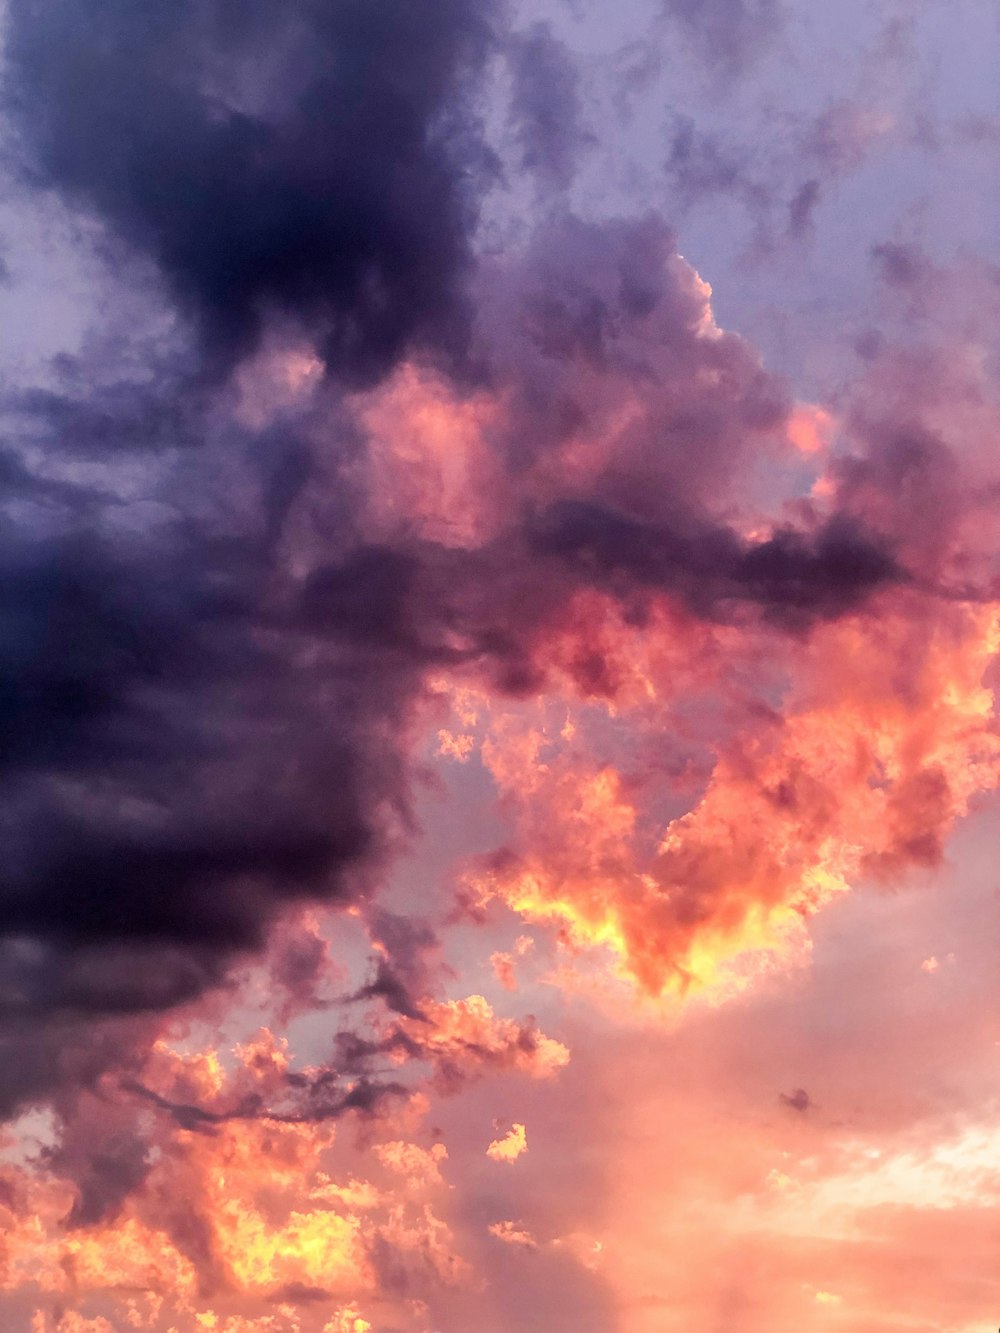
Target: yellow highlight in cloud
x,y
510,1147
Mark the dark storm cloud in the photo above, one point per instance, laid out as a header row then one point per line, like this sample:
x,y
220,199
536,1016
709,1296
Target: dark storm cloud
x,y
182,757
370,599
791,575
184,751
308,159
155,738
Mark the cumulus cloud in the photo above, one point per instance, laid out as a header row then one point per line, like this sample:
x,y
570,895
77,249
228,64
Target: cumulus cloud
x,y
343,508
509,1148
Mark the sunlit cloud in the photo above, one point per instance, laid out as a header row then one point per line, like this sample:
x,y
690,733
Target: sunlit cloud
x,y
501,635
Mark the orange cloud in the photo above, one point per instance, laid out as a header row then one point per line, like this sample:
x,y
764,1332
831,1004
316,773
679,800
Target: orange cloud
x,y
508,1149
504,970
885,735
464,1037
428,467
809,428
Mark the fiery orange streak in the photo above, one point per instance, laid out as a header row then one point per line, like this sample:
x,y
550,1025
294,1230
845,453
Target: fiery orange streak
x,y
884,742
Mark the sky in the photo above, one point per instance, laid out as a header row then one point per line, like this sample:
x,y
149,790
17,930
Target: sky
x,y
499,631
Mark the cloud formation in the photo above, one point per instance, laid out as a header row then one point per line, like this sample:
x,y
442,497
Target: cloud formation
x,y
451,680
236,163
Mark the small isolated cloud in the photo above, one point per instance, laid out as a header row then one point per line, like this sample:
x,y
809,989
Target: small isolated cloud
x,y
799,1100
513,1233
934,964
510,1147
